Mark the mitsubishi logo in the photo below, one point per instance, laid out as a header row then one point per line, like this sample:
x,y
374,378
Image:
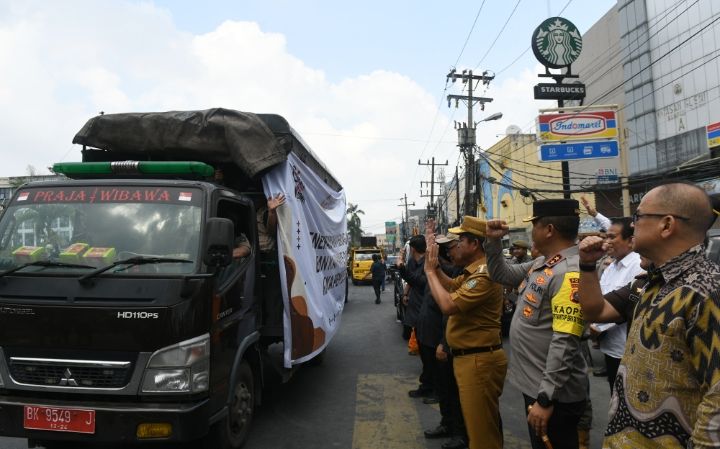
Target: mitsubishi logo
x,y
67,379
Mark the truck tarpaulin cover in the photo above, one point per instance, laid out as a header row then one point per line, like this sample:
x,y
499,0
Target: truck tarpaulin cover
x,y
312,243
213,135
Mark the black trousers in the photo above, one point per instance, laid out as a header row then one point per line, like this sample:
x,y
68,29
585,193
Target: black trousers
x,y
376,286
612,364
449,397
562,427
428,376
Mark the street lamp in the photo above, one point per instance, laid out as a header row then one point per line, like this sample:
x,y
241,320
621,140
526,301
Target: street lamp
x,y
495,116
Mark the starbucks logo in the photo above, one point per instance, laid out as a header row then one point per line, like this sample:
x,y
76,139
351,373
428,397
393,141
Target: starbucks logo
x,y
556,43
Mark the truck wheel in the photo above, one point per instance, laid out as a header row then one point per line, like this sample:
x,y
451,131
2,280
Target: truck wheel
x,y
232,431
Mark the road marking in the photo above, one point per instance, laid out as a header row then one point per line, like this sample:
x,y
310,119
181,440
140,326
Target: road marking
x,y
385,416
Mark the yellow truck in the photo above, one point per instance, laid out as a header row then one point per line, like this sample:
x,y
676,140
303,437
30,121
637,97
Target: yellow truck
x,y
360,261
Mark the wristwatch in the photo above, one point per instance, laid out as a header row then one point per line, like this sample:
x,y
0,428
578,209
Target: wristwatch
x,y
543,400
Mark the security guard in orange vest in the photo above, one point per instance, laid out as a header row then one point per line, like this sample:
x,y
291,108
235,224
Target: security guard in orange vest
x,y
546,362
474,304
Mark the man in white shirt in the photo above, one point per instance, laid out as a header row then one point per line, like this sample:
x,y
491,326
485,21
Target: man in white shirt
x,y
618,274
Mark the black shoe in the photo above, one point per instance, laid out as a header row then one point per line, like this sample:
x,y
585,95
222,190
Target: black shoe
x,y
455,443
377,301
438,432
431,400
420,393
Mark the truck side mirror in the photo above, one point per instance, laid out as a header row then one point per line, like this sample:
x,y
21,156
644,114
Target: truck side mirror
x,y
218,242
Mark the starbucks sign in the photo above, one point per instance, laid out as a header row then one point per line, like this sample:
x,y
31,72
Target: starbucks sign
x,y
556,43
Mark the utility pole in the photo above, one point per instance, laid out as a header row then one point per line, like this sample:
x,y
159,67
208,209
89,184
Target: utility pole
x,y
466,131
407,217
457,197
431,206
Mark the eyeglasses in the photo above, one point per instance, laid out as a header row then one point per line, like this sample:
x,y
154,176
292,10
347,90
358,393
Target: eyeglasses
x,y
637,215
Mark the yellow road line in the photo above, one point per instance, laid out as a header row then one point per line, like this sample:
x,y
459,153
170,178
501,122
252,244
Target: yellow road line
x,y
385,416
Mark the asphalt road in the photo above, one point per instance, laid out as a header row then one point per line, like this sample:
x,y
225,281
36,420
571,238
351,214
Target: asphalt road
x,y
358,397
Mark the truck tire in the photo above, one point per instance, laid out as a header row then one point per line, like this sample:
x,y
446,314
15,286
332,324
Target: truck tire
x,y
232,431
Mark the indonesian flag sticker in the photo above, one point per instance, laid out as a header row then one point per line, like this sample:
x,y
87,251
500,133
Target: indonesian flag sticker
x,y
23,196
185,196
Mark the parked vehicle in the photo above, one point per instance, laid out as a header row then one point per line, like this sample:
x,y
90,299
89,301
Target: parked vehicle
x,y
361,260
126,315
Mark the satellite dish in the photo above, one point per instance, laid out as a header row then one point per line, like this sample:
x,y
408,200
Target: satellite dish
x,y
513,129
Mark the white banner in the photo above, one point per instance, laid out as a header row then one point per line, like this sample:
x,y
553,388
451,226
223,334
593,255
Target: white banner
x,y
312,242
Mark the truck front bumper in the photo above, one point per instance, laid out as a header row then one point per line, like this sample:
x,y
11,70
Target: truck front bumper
x,y
114,422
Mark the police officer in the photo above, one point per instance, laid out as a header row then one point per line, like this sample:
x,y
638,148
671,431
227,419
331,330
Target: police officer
x,y
474,305
547,365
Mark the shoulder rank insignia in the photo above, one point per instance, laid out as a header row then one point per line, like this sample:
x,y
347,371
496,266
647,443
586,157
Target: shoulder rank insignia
x,y
540,280
531,298
471,284
548,272
554,260
481,269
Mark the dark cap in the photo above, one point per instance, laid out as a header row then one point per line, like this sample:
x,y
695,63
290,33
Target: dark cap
x,y
554,208
521,244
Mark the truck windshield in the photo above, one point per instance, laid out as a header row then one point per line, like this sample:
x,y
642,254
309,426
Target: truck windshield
x,y
78,229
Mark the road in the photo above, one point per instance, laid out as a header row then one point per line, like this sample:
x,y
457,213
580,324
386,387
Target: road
x,y
358,397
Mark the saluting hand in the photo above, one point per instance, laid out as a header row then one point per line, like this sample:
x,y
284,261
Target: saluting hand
x,y
591,249
586,204
496,229
430,227
431,257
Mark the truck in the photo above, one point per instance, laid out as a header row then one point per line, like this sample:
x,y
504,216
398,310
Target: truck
x,y
127,316
361,258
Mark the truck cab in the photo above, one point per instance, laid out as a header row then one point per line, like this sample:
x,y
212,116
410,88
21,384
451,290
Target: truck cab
x,y
127,316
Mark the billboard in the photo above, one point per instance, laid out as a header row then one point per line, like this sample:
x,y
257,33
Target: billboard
x,y
588,125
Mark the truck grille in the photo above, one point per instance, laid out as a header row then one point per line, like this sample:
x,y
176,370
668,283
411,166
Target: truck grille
x,y
70,373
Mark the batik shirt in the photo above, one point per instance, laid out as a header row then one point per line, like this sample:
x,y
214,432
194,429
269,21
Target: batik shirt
x,y
667,392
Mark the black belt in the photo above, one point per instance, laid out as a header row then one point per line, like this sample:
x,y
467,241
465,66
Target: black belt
x,y
468,351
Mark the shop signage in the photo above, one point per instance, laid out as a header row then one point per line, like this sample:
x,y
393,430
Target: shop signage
x,y
550,91
577,126
579,150
557,43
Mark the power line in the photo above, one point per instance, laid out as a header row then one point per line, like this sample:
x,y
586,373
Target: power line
x,y
528,49
499,34
469,34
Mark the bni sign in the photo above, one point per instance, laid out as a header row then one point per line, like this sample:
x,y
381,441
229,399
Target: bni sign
x,y
577,126
579,150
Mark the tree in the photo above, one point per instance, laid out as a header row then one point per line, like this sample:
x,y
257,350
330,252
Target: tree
x,y
353,224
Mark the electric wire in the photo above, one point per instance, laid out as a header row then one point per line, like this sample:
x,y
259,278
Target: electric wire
x,y
499,34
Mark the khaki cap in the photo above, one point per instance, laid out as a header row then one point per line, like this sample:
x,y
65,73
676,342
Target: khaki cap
x,y
471,225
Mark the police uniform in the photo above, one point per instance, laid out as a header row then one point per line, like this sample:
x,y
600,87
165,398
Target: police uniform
x,y
546,362
473,335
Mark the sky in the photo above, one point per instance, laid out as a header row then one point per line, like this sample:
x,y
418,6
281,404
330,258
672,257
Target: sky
x,y
364,83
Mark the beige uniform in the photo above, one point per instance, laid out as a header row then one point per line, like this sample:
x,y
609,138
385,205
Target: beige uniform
x,y
479,361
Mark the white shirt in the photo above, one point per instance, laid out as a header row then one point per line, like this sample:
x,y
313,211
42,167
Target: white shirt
x,y
618,274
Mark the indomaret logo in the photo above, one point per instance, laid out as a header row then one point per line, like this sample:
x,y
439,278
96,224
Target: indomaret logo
x,y
556,43
578,125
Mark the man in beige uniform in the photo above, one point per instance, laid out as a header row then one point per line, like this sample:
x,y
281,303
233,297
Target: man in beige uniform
x,y
474,304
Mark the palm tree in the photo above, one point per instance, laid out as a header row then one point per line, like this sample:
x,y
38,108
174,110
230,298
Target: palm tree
x,y
353,224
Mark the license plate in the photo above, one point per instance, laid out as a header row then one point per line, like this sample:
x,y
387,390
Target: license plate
x,y
58,419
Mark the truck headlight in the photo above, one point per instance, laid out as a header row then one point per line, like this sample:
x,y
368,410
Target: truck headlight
x,y
181,368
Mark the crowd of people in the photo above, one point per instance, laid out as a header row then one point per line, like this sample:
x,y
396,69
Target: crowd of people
x,y
645,291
